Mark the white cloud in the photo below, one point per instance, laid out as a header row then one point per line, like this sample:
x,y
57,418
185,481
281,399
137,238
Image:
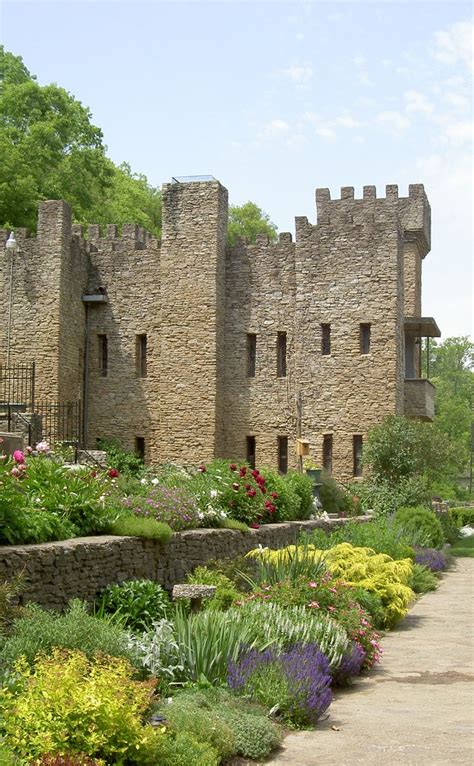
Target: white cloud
x,y
459,132
271,131
299,73
455,44
395,122
417,102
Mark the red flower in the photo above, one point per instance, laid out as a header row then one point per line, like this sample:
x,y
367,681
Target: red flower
x,y
202,468
247,487
236,486
254,525
243,471
274,495
260,480
263,489
251,493
232,467
93,474
112,473
255,473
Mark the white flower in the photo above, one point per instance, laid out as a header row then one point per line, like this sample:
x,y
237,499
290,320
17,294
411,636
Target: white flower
x,y
143,481
42,447
155,481
213,493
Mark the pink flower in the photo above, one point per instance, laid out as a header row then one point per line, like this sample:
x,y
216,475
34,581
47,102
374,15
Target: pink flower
x,y
254,525
331,608
15,471
29,450
202,468
18,456
314,604
232,467
313,584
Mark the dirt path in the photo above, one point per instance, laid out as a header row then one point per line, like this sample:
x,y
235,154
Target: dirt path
x,y
417,708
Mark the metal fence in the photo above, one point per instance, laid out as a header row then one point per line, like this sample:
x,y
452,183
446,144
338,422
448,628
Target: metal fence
x,y
17,390
55,422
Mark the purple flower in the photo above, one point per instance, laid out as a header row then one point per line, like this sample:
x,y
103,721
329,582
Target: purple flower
x,y
350,666
431,558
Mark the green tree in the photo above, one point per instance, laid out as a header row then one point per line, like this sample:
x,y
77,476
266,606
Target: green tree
x,y
49,147
248,221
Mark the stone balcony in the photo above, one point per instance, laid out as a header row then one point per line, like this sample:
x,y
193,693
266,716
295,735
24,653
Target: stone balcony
x,y
419,398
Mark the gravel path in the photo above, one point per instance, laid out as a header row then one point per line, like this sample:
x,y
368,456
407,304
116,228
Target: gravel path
x,y
417,707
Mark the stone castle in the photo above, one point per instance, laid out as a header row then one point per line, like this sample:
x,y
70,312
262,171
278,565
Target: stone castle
x,y
186,349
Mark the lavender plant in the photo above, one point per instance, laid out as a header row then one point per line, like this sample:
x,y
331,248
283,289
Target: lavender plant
x,y
172,505
296,683
350,666
431,559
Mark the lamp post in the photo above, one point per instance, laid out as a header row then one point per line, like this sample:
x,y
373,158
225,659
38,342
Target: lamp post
x,y
11,246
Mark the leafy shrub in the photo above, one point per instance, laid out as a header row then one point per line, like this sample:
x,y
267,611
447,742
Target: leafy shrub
x,y
29,525
384,496
420,524
137,603
298,681
333,497
381,535
38,631
372,604
9,592
73,704
449,527
136,526
465,547
237,526
7,758
303,486
157,652
182,749
66,760
431,558
253,733
284,627
226,593
124,461
206,725
422,579
174,506
206,641
463,516
290,563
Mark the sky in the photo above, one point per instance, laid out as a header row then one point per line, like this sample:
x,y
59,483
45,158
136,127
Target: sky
x,y
277,98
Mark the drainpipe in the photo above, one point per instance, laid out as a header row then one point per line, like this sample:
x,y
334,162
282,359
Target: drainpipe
x,y
88,301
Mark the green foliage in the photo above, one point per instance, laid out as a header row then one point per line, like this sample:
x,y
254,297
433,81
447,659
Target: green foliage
x,y
449,527
37,630
290,563
381,535
248,221
137,526
464,547
9,592
206,725
137,603
420,525
237,526
124,461
207,641
130,199
183,749
303,486
226,593
372,603
253,735
462,516
401,448
384,496
422,579
334,498
284,626
74,704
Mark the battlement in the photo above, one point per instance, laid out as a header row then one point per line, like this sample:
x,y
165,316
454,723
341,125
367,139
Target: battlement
x,y
130,236
413,211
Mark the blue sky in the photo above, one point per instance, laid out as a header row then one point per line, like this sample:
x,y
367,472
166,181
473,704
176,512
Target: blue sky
x,y
277,98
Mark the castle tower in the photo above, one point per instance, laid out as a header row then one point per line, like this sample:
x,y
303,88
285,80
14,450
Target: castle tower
x,y
192,271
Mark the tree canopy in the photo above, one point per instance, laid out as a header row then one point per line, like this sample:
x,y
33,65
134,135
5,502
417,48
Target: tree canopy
x,y
248,221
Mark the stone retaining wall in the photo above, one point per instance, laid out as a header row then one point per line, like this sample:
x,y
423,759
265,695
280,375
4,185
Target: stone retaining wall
x,y
59,571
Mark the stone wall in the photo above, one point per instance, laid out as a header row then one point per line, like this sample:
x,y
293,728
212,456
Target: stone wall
x,y
59,571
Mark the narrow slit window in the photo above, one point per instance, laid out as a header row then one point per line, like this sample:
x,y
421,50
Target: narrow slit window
x,y
251,451
103,355
357,454
327,453
251,354
325,339
365,338
281,354
141,351
283,454
140,447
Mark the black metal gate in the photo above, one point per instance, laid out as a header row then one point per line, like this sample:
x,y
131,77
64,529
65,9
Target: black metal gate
x,y
17,390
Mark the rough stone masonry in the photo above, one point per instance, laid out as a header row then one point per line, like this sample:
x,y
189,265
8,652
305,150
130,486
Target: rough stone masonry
x,y
187,349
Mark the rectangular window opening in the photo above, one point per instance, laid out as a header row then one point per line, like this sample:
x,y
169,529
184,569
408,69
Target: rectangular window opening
x,y
327,453
140,351
251,354
357,454
325,339
103,355
281,354
283,454
140,447
251,451
365,338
